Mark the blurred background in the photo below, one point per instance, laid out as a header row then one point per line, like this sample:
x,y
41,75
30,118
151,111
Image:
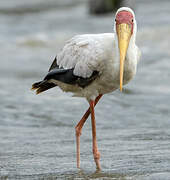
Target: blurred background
x,y
37,138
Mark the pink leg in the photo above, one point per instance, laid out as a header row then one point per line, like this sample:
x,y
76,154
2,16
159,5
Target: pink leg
x,y
78,129
96,153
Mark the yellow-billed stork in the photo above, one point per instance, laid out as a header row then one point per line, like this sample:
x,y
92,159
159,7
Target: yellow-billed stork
x,y
91,65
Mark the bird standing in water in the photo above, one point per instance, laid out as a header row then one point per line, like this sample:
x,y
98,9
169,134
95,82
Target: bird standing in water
x,y
91,65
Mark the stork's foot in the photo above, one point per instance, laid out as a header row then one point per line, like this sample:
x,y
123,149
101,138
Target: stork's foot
x,y
96,155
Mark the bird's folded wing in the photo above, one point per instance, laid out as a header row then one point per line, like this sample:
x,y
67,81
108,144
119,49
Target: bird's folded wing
x,y
53,65
67,76
83,54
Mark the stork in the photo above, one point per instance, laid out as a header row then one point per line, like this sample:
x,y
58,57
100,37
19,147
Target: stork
x,y
92,65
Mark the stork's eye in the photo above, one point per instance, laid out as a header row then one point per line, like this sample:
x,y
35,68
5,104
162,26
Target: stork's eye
x,y
115,20
132,20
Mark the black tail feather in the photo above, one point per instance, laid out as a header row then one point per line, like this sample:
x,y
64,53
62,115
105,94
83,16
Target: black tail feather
x,y
42,86
36,85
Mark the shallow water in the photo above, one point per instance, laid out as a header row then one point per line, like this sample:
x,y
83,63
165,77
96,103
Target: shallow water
x,y
37,138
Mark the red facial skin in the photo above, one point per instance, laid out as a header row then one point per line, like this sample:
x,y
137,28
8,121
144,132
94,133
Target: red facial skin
x,y
125,17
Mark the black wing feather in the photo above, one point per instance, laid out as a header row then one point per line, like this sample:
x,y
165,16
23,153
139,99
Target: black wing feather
x,y
53,65
67,76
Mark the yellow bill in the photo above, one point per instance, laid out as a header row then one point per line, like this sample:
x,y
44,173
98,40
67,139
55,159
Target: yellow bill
x,y
124,34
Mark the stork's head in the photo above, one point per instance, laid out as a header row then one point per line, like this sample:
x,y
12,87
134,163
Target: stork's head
x,y
124,27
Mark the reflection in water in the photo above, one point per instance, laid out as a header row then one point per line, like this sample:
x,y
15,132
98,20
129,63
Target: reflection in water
x,y
96,175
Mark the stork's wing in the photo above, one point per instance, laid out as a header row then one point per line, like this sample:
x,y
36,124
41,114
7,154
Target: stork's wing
x,y
53,65
82,53
79,62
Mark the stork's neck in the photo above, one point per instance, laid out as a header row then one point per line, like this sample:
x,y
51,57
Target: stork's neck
x,y
132,41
